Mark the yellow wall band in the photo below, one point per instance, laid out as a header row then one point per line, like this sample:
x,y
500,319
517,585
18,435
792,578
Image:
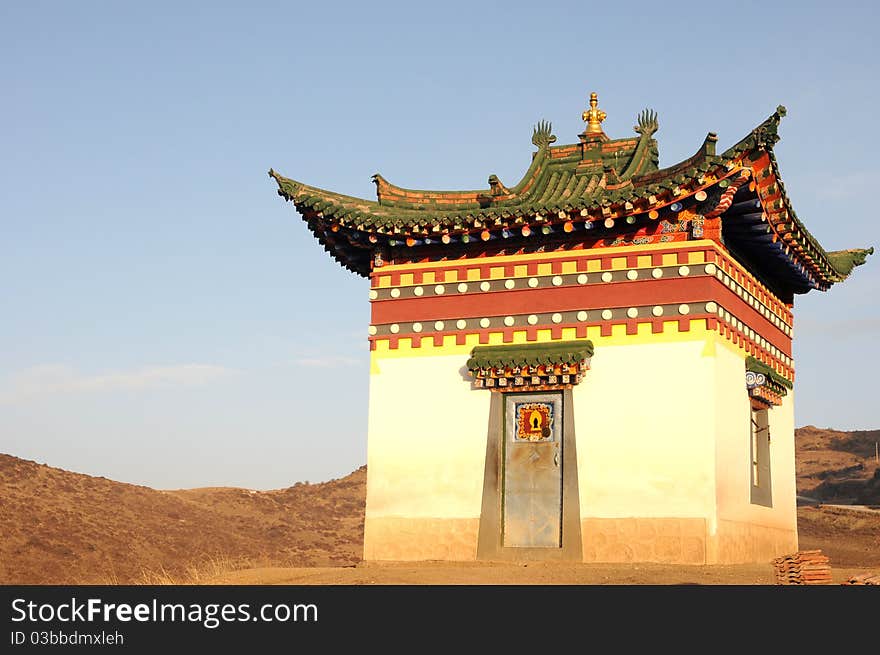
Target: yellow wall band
x,y
564,254
619,337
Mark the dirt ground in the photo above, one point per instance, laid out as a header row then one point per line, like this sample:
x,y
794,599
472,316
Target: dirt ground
x,y
452,573
849,537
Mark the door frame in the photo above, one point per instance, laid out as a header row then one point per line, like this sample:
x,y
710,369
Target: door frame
x,y
490,545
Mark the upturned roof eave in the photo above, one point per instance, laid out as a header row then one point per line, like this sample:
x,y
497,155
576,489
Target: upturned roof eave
x,y
762,140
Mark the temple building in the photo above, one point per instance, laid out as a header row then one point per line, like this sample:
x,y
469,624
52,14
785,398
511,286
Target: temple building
x,y
592,364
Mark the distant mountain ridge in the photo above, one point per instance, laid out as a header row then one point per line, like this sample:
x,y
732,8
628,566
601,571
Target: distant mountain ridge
x,y
69,528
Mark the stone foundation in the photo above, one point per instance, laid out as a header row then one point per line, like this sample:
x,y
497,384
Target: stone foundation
x,y
738,543
612,540
419,539
671,540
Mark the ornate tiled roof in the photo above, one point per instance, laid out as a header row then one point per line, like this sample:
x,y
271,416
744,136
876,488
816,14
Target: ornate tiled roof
x,y
613,185
560,178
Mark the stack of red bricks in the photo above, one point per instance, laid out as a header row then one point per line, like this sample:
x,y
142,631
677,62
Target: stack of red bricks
x,y
864,579
805,567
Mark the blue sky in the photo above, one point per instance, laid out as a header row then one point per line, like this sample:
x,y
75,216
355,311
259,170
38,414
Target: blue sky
x,y
168,320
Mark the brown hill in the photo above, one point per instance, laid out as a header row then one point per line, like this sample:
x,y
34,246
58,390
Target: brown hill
x,y
62,527
839,467
68,528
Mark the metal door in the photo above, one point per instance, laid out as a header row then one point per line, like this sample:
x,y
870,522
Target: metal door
x,y
533,470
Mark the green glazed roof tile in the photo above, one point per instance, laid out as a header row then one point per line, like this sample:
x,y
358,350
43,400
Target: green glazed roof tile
x,y
558,352
757,366
844,261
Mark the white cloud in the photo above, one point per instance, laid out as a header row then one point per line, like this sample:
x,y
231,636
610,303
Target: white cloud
x,y
59,379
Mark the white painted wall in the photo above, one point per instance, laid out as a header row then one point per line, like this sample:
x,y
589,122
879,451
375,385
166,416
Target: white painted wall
x,y
426,438
732,426
734,450
782,462
658,424
644,420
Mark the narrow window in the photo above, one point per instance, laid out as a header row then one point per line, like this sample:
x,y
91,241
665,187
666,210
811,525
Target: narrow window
x,y
756,477
760,457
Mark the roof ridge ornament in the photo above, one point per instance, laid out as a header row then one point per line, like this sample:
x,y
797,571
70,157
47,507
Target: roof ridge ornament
x,y
766,135
542,135
593,116
648,123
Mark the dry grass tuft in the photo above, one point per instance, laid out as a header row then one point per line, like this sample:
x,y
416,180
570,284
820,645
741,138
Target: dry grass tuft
x,y
206,571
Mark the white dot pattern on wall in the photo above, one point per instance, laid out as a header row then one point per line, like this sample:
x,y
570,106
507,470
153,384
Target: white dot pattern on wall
x,y
532,319
508,321
657,310
632,312
462,287
632,275
439,289
711,307
439,325
684,271
607,314
533,282
485,286
484,322
417,327
461,324
684,309
582,278
509,284
373,294
710,269
556,318
395,328
419,291
582,315
372,330
395,293
607,277
657,273
557,281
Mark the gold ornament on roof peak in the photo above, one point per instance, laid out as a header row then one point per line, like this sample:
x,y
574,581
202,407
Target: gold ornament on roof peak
x,y
593,117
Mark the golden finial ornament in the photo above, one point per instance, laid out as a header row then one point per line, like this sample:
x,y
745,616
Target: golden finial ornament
x,y
593,117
